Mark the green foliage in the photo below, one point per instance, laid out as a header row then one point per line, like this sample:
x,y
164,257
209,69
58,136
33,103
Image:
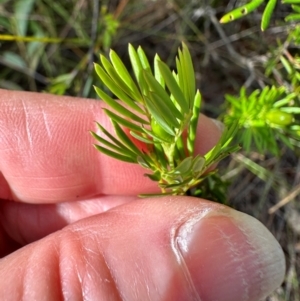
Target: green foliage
x,y
267,14
241,11
49,45
295,4
265,117
284,66
270,115
156,120
213,188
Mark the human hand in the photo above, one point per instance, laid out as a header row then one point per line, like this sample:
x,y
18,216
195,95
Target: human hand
x,y
71,227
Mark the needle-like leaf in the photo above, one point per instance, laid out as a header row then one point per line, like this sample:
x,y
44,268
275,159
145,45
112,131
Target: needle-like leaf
x,y
118,107
265,20
163,97
157,73
117,78
192,131
115,89
121,150
143,59
114,154
173,87
125,139
122,121
124,74
137,68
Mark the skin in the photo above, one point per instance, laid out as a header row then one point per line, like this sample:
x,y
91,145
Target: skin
x,y
72,228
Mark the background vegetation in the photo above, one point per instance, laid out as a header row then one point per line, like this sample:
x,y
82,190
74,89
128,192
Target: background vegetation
x,y
50,46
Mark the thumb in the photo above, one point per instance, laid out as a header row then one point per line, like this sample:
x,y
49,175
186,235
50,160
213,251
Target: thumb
x,y
168,248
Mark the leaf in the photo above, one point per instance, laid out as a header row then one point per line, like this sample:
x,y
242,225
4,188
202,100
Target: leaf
x,y
156,176
137,68
22,10
141,161
155,106
233,100
188,73
251,103
122,121
160,155
192,130
296,7
14,60
124,74
267,14
198,165
262,96
118,107
141,138
153,195
226,138
184,166
290,1
155,137
292,17
284,101
293,110
247,139
143,59
114,154
117,79
157,73
285,140
109,135
180,148
286,64
61,83
121,150
163,98
222,155
241,11
125,139
115,89
173,87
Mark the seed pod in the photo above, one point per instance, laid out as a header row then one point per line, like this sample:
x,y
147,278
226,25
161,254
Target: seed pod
x,y
160,132
279,117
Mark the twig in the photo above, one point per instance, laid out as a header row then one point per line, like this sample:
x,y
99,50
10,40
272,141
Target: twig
x,y
285,200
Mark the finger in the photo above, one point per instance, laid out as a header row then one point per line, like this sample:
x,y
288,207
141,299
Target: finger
x,y
25,223
7,244
170,248
47,155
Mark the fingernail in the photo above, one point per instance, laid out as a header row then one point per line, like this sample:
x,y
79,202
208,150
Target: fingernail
x,y
230,256
220,125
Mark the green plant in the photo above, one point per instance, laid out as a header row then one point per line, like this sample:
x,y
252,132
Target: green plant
x,y
249,7
52,43
265,116
156,121
270,114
